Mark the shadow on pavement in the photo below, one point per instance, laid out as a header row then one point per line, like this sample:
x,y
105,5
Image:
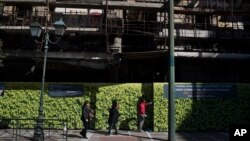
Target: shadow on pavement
x,y
142,137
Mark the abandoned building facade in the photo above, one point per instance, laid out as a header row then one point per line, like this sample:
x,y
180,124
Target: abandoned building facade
x,y
126,40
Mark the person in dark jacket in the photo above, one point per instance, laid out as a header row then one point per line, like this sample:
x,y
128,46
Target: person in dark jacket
x,y
113,117
85,118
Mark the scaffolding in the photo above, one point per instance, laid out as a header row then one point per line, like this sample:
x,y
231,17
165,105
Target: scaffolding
x,y
121,20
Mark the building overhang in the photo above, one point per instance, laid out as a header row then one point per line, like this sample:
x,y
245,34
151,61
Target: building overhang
x,y
130,55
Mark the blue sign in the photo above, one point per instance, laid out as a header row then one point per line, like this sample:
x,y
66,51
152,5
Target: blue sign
x,y
65,90
194,90
1,89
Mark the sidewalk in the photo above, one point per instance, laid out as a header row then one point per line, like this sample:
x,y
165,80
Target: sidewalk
x,y
94,135
152,136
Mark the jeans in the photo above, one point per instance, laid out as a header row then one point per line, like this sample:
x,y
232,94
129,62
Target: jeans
x,y
141,121
84,130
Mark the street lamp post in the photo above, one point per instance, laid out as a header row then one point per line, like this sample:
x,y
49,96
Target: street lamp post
x,y
36,31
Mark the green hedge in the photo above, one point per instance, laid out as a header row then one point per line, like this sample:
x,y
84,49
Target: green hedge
x,y
21,101
211,114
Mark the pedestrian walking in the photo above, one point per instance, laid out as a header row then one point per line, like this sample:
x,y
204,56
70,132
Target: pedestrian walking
x,y
142,113
85,118
113,117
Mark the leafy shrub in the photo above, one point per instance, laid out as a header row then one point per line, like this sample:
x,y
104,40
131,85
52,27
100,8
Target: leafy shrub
x,y
21,100
207,114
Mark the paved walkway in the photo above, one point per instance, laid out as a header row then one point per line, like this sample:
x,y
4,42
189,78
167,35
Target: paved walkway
x,y
93,135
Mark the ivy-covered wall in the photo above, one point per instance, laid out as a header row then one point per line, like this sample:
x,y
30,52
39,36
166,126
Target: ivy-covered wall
x,y
20,100
205,114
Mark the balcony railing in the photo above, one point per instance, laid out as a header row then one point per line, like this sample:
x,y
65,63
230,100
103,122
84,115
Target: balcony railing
x,y
71,20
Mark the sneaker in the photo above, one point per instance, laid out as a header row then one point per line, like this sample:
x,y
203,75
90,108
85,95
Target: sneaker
x,y
116,133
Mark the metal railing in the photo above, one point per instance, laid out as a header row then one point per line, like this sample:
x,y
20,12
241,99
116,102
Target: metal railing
x,y
136,24
21,129
71,19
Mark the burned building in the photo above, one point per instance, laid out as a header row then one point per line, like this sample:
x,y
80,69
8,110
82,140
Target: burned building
x,y
126,40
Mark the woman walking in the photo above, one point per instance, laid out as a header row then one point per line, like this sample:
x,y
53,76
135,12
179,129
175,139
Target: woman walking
x,y
113,117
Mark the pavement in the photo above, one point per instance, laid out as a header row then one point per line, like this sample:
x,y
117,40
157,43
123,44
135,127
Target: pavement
x,y
94,135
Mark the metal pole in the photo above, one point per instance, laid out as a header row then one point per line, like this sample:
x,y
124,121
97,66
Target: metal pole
x,y
106,28
39,134
171,101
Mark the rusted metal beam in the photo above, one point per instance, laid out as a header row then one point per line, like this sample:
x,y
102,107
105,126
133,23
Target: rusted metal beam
x,y
59,55
133,5
111,4
26,2
69,4
183,54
